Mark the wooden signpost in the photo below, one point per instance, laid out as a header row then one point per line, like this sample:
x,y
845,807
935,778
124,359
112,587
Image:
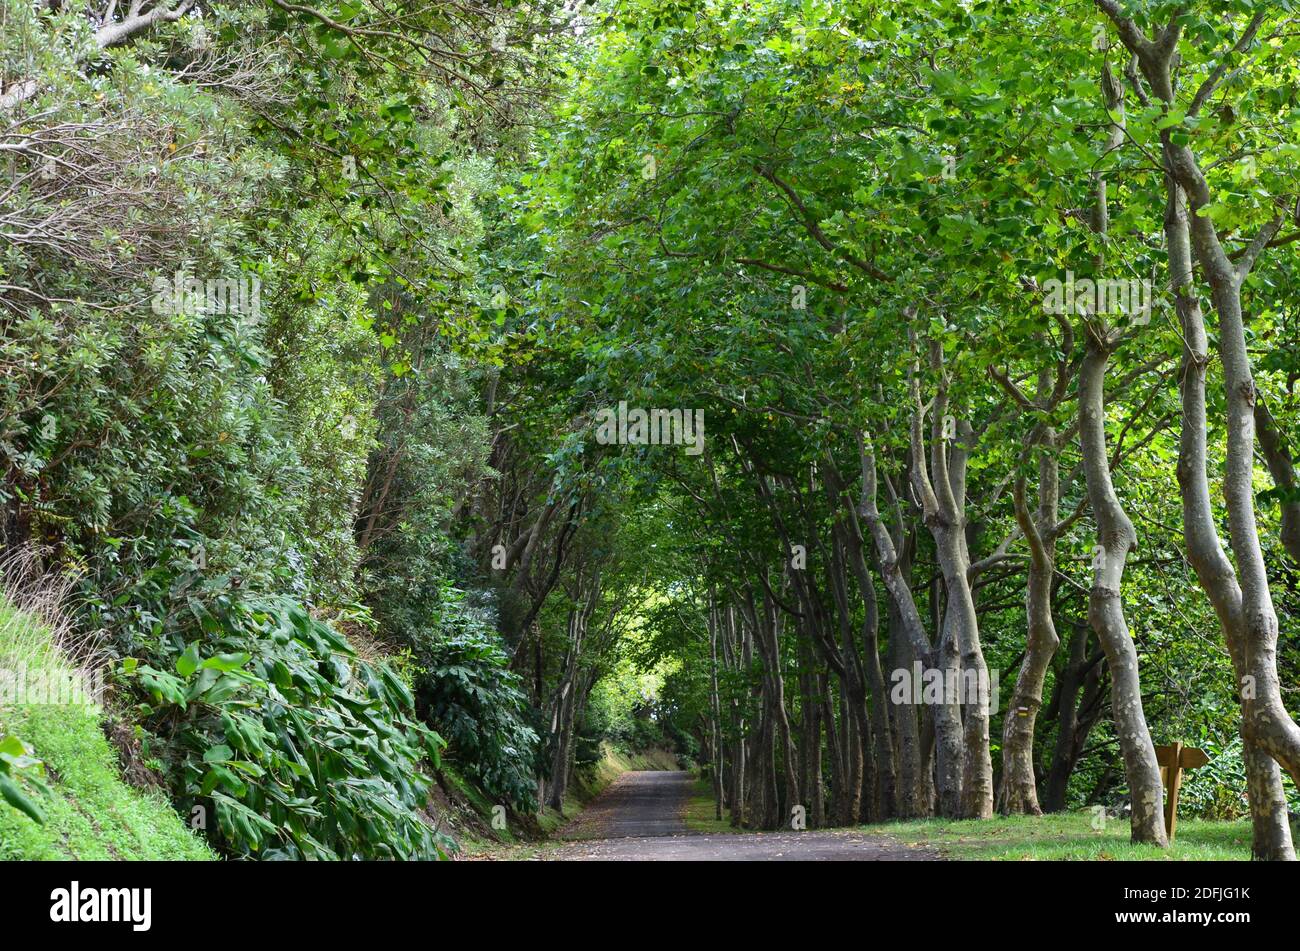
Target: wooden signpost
x,y
1173,759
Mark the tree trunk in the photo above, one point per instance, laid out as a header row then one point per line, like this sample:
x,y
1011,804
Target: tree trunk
x,y
1265,718
885,770
834,749
1116,538
1081,674
1268,807
811,746
905,620
1018,792
907,734
767,628
943,505
715,713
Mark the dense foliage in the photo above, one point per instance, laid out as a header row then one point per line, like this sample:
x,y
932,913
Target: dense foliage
x,y
314,317
298,749
463,683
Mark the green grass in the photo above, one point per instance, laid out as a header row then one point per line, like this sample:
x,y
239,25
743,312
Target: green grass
x,y
1068,837
1057,837
701,815
90,812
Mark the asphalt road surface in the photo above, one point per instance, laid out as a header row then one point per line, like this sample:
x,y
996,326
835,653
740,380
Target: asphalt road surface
x,y
639,818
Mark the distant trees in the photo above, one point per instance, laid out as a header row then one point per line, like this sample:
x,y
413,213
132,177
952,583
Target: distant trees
x,y
985,310
843,251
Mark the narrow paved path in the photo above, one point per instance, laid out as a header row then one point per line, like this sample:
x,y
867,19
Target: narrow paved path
x,y
638,803
639,818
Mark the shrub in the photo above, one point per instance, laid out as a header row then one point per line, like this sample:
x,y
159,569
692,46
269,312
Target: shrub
x,y
466,689
299,749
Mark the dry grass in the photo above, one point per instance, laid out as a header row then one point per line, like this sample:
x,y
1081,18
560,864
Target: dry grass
x,y
89,811
31,591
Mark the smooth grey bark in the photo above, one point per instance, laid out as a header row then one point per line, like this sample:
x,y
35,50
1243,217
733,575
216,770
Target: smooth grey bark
x,y
1264,715
912,801
945,516
134,22
1018,791
914,648
1268,806
949,733
1041,527
1116,537
1078,703
922,717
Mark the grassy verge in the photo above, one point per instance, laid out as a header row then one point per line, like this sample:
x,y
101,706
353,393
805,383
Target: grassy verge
x,y
1058,837
701,814
90,812
1068,837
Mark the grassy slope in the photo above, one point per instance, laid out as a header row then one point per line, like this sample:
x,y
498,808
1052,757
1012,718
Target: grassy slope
x,y
1069,836
92,813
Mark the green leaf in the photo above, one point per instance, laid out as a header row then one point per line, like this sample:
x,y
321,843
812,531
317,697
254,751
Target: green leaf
x,y
188,662
14,795
227,662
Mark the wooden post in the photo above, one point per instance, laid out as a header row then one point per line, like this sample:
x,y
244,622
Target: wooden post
x,y
1173,759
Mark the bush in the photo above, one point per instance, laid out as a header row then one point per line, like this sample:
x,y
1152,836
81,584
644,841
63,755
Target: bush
x,y
1218,789
465,688
298,748
55,751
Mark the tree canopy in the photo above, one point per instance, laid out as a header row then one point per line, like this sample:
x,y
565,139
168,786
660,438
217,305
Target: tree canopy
x,y
886,407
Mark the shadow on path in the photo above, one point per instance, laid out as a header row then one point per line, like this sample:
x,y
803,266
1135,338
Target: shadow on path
x,y
639,818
